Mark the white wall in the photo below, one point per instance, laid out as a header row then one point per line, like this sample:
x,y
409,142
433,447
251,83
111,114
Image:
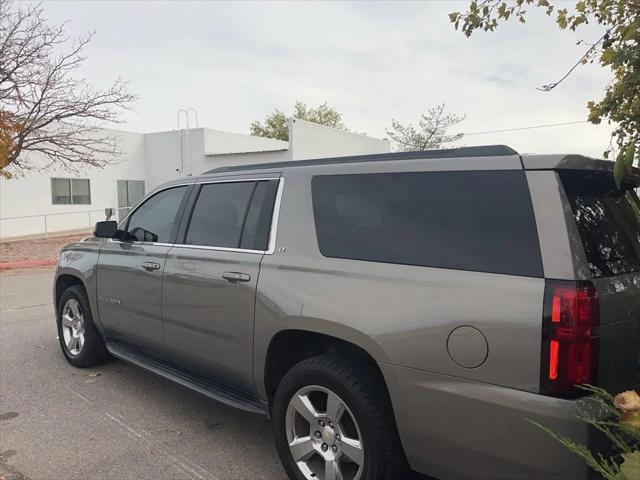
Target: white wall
x,y
211,162
309,140
30,194
217,142
161,157
167,156
223,149
306,140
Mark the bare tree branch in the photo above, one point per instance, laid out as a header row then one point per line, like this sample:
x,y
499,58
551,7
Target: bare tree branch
x,y
44,106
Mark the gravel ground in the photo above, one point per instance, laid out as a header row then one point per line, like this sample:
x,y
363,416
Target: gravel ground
x,y
35,248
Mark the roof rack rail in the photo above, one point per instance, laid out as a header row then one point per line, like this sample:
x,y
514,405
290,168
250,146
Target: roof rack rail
x,y
480,151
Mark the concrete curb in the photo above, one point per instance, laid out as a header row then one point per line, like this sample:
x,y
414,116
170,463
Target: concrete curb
x,y
28,264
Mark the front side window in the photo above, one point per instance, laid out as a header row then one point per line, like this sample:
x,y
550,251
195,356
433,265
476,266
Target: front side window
x,y
475,220
70,191
233,215
154,220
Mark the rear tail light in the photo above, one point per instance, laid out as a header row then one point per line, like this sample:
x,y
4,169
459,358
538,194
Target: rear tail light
x,y
569,342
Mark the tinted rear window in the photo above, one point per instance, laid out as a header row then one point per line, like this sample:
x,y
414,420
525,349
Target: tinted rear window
x,y
479,220
608,220
233,215
219,214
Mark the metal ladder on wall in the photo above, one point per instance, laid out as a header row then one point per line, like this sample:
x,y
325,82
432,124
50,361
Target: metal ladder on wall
x,y
183,134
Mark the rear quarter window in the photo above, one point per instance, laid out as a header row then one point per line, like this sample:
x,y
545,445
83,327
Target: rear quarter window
x,y
608,220
477,220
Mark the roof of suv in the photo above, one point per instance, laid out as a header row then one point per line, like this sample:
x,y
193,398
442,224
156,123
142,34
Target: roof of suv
x,y
481,151
475,153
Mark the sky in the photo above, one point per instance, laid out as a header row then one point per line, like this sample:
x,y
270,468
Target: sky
x,y
234,62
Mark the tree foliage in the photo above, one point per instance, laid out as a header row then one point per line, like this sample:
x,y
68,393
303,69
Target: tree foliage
x,y
9,130
620,425
430,134
618,49
275,124
44,108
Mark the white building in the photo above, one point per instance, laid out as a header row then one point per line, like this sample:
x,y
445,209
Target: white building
x,y
55,201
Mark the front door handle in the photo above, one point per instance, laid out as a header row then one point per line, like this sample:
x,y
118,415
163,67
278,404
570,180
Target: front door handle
x,y
235,277
150,266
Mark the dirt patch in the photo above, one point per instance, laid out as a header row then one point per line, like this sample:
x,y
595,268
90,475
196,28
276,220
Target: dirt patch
x,y
35,248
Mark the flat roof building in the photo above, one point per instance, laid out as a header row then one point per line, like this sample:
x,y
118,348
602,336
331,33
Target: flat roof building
x,y
50,199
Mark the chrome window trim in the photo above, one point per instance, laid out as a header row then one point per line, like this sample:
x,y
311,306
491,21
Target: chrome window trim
x,y
220,249
205,181
159,244
275,216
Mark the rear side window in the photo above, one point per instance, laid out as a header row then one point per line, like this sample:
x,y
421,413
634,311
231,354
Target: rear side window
x,y
477,220
608,220
233,215
219,214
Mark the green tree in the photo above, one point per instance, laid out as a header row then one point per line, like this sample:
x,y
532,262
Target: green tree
x,y
275,124
430,134
618,49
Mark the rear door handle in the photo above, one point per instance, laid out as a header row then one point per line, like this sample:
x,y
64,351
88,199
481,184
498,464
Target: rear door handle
x,y
150,266
235,277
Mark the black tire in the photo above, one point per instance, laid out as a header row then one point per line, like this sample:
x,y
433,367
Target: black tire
x,y
365,395
93,352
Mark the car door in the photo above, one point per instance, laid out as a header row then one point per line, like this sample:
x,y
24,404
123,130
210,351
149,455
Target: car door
x,y
129,273
210,278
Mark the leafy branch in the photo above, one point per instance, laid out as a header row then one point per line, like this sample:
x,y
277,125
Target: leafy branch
x,y
618,49
275,124
431,132
619,421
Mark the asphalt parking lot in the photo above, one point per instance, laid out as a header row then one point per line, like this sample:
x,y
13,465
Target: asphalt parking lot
x,y
117,421
114,422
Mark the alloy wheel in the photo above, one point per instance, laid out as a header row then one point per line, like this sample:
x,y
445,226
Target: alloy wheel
x,y
323,435
73,326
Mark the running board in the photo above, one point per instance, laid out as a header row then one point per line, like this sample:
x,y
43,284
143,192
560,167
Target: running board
x,y
216,390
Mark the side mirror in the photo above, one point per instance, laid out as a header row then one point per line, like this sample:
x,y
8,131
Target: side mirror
x,y
106,229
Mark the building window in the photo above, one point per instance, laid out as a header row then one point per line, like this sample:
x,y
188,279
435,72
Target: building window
x,y
70,191
130,192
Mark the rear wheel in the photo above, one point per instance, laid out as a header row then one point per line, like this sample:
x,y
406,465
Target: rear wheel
x,y
333,421
81,343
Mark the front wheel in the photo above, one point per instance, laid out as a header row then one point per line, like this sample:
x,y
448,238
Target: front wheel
x,y
81,343
333,421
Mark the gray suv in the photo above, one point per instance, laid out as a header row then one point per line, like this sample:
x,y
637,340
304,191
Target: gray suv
x,y
397,312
